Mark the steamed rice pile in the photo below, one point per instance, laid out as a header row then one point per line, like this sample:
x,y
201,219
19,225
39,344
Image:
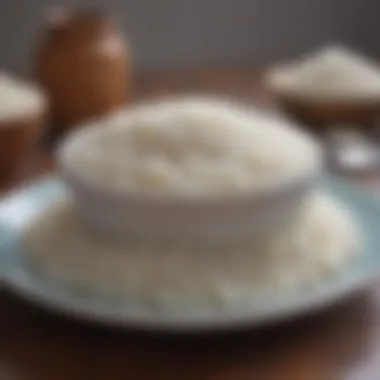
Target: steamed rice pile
x,y
18,99
322,241
190,147
332,73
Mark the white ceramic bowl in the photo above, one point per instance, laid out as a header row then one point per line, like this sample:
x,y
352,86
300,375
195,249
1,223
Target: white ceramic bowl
x,y
171,214
120,214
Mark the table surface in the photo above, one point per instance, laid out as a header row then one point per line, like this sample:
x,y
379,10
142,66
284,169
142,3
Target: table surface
x,y
339,343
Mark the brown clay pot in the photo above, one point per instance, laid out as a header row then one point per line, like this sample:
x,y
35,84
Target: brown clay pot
x,y
83,65
17,137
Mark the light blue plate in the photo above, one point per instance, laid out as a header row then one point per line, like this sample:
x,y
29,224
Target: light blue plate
x,y
17,210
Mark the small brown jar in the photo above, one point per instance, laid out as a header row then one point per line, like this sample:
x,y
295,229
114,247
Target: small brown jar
x,y
83,65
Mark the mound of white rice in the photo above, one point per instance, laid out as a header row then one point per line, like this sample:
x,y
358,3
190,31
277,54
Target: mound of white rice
x,y
19,99
189,147
319,244
332,73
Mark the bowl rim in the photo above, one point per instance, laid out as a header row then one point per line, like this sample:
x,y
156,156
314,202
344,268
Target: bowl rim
x,y
278,189
272,189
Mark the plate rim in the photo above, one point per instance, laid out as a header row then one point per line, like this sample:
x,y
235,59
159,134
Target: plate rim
x,y
29,290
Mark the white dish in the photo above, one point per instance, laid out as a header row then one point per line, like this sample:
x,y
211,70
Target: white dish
x,y
189,169
118,214
20,208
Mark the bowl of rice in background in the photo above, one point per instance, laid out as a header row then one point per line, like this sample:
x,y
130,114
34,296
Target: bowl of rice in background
x,y
189,168
331,86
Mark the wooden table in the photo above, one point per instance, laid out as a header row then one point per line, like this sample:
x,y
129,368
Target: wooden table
x,y
340,343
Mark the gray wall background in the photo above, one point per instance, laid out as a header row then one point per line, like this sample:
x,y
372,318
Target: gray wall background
x,y
177,33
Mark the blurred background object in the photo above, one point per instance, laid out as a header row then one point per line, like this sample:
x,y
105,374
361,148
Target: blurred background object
x,y
83,65
335,92
183,33
169,37
22,117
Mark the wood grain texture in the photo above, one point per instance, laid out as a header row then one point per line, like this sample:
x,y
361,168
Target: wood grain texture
x,y
340,343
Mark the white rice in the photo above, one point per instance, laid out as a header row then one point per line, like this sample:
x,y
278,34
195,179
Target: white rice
x,y
332,73
323,240
189,147
19,99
